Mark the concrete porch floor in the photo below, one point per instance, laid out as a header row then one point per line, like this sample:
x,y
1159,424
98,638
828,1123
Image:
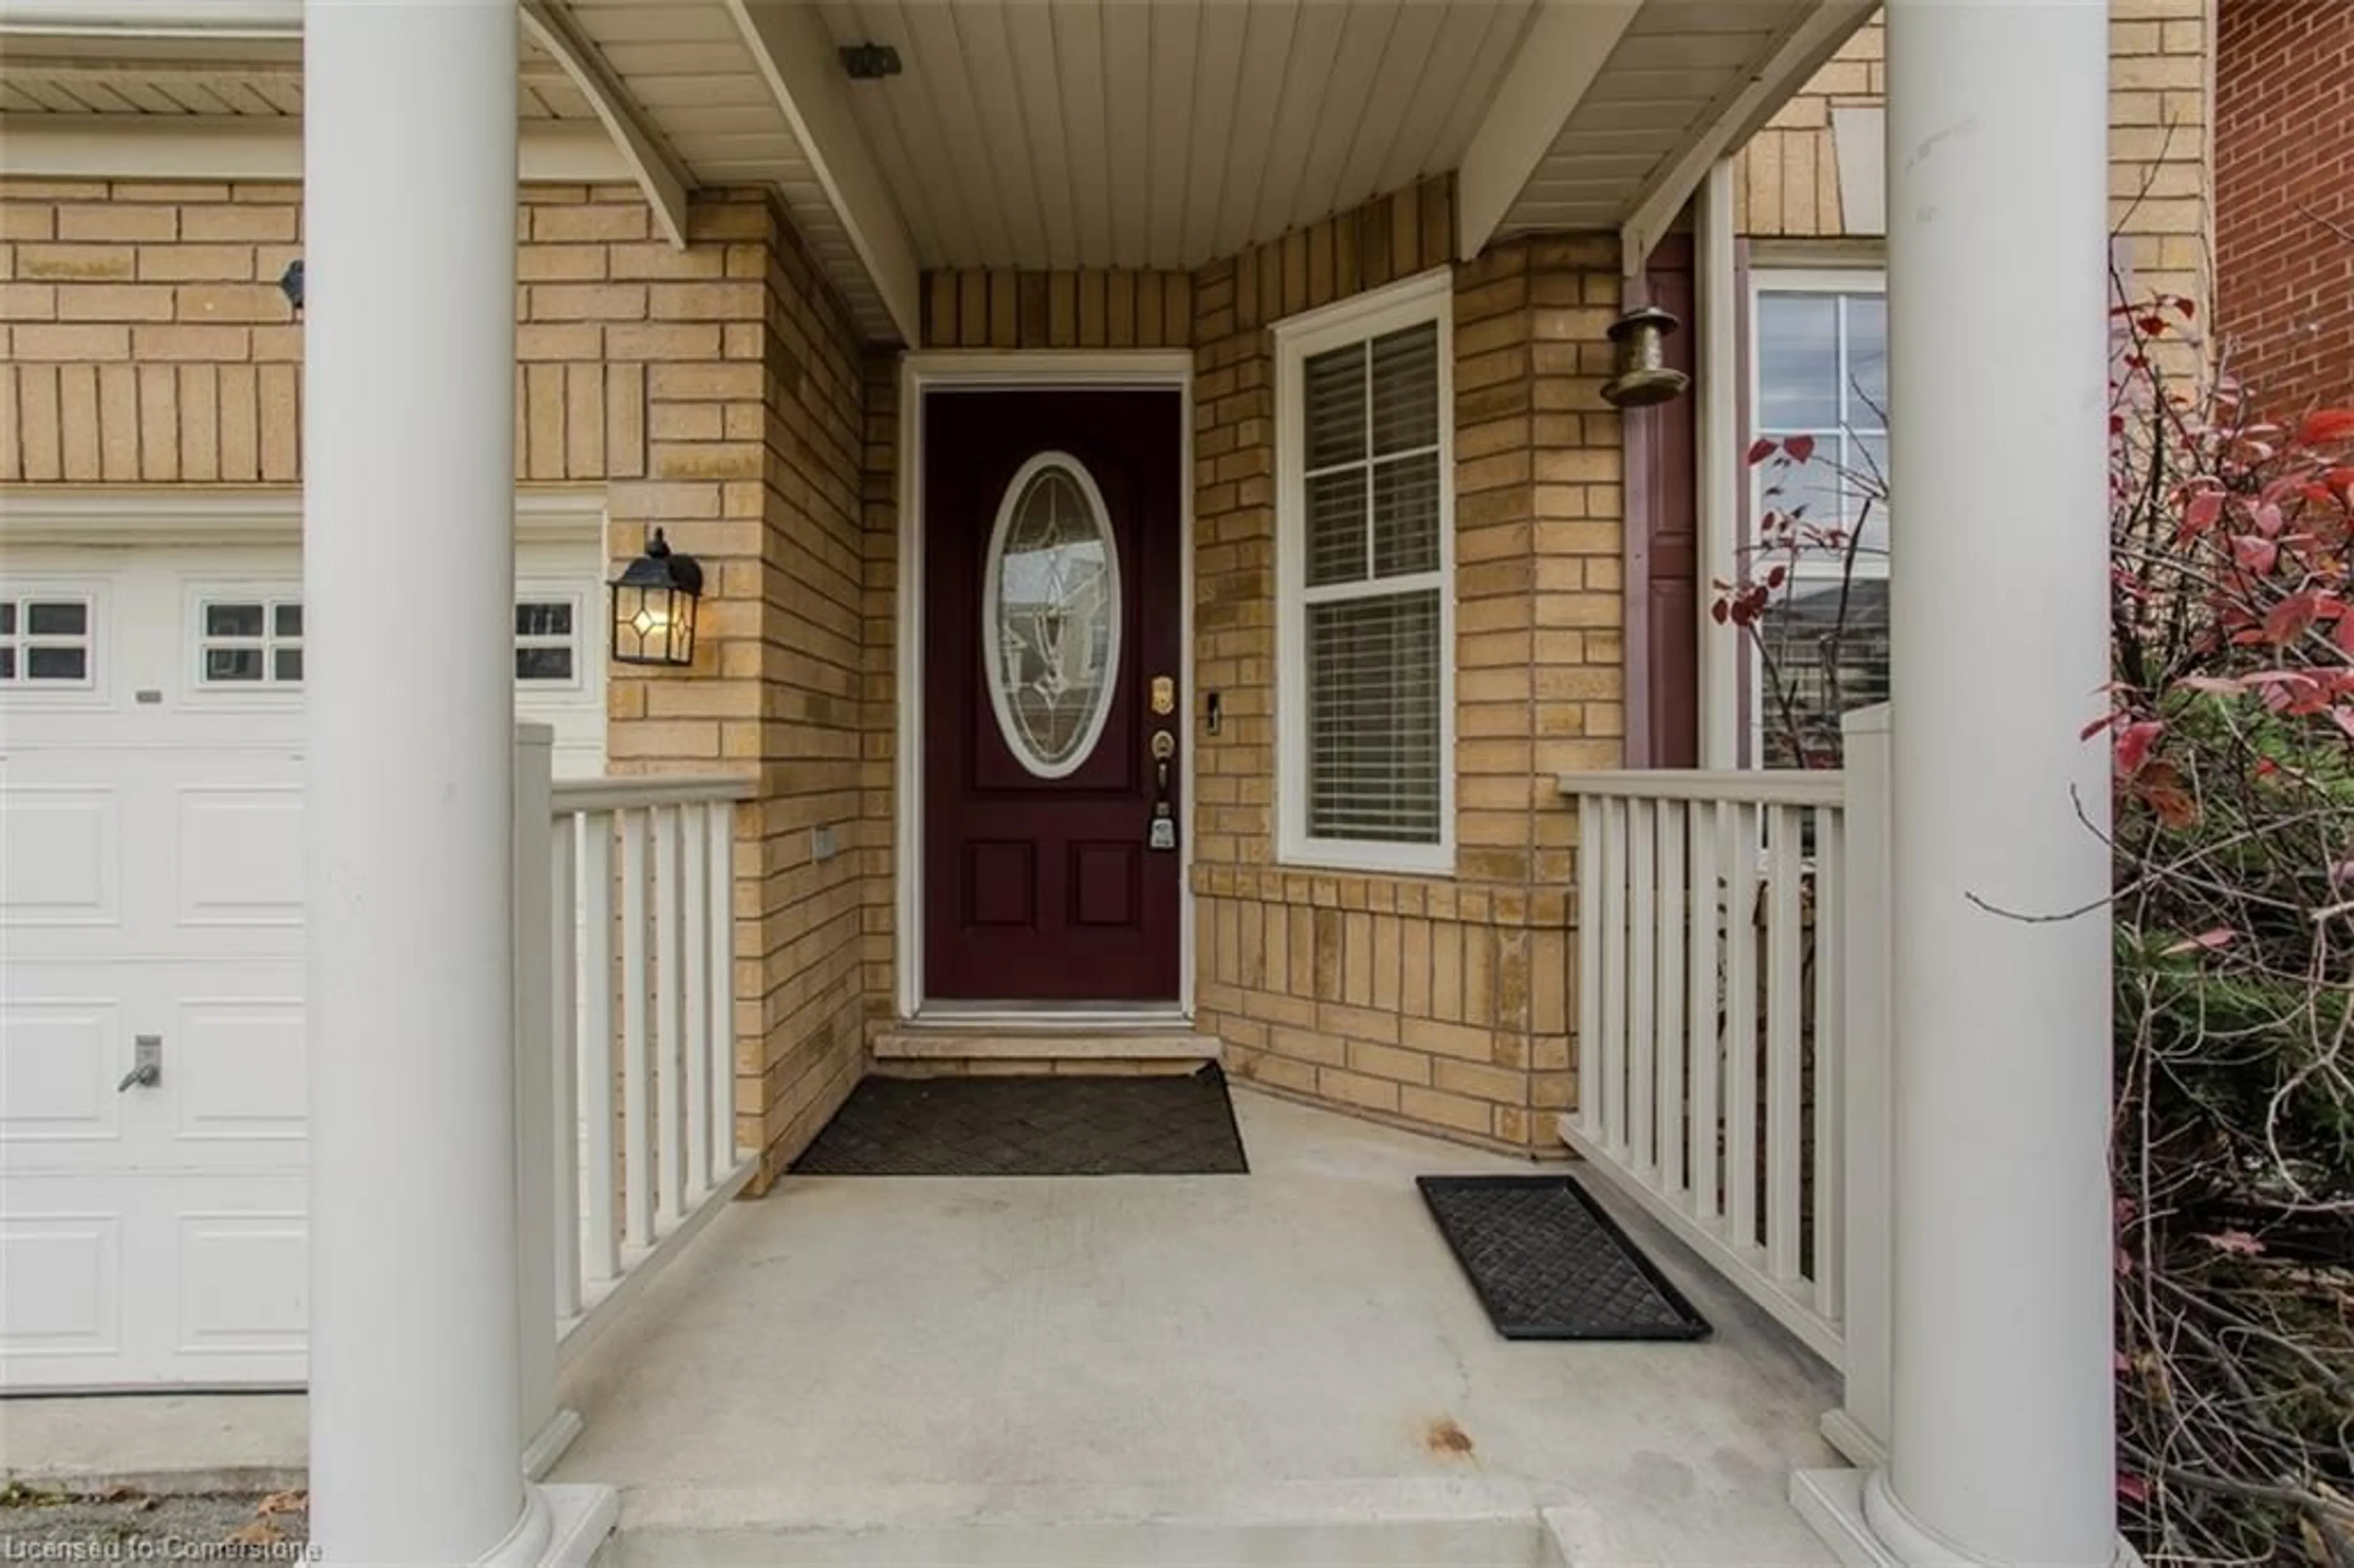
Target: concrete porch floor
x,y
1286,1366
1291,1349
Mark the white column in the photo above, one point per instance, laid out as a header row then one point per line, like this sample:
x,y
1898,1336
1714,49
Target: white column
x,y
409,517
2000,1433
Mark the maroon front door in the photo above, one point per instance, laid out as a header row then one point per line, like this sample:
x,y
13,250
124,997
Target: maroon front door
x,y
1053,731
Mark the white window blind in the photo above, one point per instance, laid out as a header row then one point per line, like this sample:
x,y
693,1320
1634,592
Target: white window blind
x,y
1366,586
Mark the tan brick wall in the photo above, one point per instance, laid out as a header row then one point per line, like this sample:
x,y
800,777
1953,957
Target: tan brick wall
x,y
2161,54
715,391
1096,309
1440,1003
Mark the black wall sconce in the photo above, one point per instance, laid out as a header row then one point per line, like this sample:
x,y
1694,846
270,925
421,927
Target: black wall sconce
x,y
654,603
1640,374
290,283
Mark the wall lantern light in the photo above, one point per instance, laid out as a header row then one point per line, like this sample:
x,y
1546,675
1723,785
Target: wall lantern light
x,y
290,283
1640,375
654,601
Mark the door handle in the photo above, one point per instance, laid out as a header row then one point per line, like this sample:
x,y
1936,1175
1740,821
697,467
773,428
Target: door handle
x,y
146,1063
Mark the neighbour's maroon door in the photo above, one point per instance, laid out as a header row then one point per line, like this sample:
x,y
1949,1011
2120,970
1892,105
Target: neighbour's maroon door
x,y
1052,735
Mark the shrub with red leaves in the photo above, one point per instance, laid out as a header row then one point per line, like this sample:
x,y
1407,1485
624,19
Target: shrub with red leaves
x,y
2231,731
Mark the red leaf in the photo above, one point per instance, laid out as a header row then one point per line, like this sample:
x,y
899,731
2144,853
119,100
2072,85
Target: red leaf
x,y
1760,449
2327,424
2201,515
1801,448
2133,1488
2133,746
2344,719
2287,622
2254,552
2345,635
1720,612
2095,727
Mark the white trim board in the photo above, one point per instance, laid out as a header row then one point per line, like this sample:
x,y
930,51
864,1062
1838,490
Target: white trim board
x,y
48,514
237,147
981,370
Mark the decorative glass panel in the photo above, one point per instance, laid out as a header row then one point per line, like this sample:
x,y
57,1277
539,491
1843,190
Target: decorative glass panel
x,y
1050,616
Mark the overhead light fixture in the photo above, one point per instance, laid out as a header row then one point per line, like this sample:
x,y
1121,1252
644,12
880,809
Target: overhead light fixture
x,y
654,601
870,61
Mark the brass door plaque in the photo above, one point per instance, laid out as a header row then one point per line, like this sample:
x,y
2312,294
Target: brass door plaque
x,y
1164,694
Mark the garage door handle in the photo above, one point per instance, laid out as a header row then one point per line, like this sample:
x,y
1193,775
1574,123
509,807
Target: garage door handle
x,y
147,1064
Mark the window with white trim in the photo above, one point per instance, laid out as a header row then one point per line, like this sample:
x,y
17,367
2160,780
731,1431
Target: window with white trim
x,y
250,641
44,639
545,640
256,641
1365,439
1819,373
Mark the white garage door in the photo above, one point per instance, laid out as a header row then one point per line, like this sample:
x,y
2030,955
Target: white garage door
x,y
151,871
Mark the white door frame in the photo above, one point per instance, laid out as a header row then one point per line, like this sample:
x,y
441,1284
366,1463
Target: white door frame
x,y
1019,371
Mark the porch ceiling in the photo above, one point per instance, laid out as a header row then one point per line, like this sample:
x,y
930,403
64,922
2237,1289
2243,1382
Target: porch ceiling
x,y
255,77
1052,133
1067,133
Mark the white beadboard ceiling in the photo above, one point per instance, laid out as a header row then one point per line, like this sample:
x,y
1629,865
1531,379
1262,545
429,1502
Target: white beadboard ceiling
x,y
263,79
1678,67
1071,133
1056,133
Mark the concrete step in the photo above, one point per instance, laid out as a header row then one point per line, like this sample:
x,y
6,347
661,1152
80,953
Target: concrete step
x,y
1405,1523
1075,1048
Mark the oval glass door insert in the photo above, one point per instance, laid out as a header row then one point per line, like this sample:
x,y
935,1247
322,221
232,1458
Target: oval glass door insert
x,y
1050,615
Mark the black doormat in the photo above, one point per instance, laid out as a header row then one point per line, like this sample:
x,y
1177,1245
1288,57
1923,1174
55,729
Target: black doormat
x,y
1550,1265
1162,1124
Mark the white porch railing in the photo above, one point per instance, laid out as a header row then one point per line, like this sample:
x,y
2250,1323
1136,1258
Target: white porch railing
x,y
625,1029
1732,988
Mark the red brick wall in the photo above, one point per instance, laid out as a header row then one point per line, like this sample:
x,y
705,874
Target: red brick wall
x,y
2284,198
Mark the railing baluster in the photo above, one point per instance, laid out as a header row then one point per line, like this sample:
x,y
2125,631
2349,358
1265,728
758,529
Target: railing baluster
x,y
1675,1043
564,1091
1642,975
1614,974
637,1056
1588,979
1784,994
1713,1059
669,1026
1741,1031
1830,1061
1708,829
721,848
603,1260
694,852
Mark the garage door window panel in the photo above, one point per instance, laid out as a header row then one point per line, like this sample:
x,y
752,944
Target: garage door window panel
x,y
545,640
250,642
46,640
